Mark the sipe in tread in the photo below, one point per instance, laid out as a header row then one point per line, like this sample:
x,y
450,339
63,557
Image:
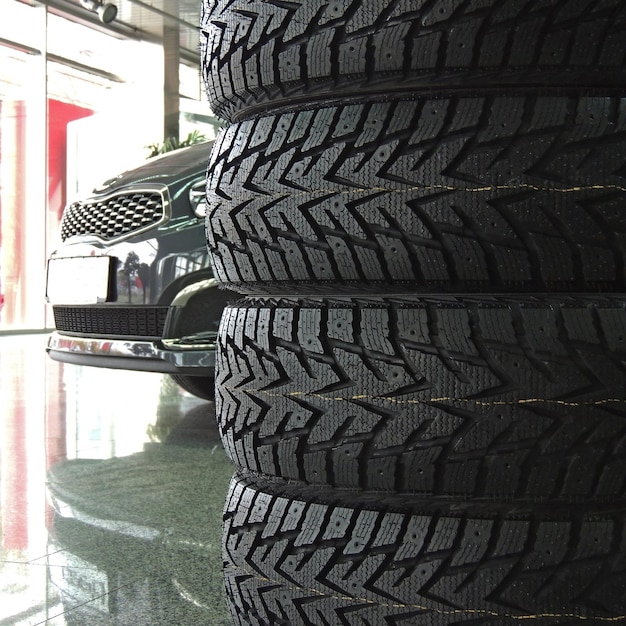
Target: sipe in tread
x,y
265,53
310,558
487,398
457,194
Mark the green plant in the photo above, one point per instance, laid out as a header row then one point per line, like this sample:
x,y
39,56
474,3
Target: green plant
x,y
173,143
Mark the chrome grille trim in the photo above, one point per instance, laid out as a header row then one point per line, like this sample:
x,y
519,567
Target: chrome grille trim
x,y
120,214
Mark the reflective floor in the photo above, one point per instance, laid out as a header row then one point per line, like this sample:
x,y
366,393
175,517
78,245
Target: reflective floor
x,y
112,485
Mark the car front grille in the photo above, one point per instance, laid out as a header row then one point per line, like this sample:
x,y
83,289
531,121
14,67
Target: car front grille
x,y
144,322
114,216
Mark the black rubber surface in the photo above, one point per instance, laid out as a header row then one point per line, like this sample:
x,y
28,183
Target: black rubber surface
x,y
314,558
263,53
458,194
200,386
493,398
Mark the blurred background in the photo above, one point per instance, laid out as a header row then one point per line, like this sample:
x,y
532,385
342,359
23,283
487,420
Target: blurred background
x,y
82,99
112,482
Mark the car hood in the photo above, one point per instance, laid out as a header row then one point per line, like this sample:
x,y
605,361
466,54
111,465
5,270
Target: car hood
x,y
164,169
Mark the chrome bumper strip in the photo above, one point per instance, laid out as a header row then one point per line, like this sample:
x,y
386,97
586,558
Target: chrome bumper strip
x,y
181,356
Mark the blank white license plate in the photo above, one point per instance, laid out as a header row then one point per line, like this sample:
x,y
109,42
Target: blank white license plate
x,y
79,581
79,280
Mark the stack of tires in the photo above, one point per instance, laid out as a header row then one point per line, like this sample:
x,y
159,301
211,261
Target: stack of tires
x,y
423,385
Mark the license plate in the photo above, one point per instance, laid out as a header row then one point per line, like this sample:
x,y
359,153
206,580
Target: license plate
x,y
79,280
79,581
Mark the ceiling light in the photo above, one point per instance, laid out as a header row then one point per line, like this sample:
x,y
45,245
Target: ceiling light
x,y
105,10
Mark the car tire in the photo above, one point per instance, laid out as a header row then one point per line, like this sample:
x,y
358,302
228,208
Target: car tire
x,y
452,194
311,557
493,398
199,386
267,53
423,391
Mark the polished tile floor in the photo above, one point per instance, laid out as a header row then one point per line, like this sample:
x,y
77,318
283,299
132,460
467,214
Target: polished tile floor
x,y
112,485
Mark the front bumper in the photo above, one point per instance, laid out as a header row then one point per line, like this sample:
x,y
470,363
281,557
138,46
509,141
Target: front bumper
x,y
191,356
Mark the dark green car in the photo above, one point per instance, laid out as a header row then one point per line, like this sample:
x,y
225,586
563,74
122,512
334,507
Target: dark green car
x,y
131,283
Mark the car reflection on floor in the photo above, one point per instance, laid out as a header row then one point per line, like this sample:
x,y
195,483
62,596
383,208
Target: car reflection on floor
x,y
138,536
125,512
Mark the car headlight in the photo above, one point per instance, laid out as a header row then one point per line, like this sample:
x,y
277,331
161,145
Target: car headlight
x,y
197,198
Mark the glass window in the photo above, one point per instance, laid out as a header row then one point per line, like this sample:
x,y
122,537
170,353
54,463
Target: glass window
x,y
78,105
22,167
